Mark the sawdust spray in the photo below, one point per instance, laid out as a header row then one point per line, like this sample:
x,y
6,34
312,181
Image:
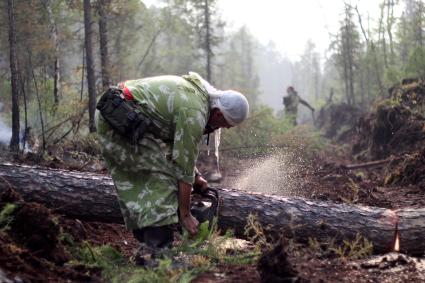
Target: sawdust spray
x,y
274,174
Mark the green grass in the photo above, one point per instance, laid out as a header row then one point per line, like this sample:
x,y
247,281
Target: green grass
x,y
197,255
357,248
6,216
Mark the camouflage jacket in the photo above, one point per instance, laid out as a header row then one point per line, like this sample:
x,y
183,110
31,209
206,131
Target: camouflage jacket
x,y
179,108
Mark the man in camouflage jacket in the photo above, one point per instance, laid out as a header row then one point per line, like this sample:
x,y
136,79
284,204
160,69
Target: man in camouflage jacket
x,y
154,177
291,101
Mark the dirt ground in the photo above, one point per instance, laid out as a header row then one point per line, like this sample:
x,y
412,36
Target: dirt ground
x,y
31,249
328,179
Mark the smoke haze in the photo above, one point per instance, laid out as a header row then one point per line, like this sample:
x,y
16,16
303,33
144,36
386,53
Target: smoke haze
x,y
5,133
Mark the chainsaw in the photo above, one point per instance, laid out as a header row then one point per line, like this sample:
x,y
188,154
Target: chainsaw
x,y
204,204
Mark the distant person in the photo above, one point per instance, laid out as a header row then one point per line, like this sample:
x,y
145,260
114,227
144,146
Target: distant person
x,y
331,96
291,101
152,162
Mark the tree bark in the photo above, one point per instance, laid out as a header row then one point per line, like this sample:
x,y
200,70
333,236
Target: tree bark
x,y
55,40
90,64
14,142
381,36
374,54
148,49
40,109
207,38
92,196
27,129
390,22
103,40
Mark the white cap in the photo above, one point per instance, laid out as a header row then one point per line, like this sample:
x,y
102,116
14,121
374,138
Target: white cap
x,y
232,104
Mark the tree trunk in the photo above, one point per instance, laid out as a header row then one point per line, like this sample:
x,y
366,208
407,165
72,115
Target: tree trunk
x,y
350,54
92,196
103,39
419,23
374,54
381,36
390,22
90,65
208,38
83,64
55,41
14,142
40,109
27,129
404,48
346,80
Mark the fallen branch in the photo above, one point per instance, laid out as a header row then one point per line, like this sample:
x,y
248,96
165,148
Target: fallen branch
x,y
369,164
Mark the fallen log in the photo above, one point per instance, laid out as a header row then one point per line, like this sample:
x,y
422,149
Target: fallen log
x,y
91,196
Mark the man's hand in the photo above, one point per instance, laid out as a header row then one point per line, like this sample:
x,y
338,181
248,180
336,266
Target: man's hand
x,y
189,223
186,219
201,183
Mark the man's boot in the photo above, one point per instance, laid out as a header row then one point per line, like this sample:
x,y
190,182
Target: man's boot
x,y
155,242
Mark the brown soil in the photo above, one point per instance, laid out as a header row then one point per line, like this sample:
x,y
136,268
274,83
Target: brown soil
x,y
274,265
367,186
396,126
345,115
410,93
31,249
230,273
388,130
410,172
389,268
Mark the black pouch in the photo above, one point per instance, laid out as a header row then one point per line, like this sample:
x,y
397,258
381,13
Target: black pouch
x,y
124,116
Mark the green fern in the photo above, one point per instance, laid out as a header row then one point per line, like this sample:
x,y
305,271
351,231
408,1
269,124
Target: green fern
x,y
360,247
255,233
6,216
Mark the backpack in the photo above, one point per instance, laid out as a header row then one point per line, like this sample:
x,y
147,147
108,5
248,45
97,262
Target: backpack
x,y
123,115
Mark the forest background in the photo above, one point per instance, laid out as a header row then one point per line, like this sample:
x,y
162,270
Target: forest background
x,y
56,57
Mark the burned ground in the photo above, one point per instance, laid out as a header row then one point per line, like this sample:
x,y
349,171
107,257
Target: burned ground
x,y
274,265
345,114
30,245
396,126
411,171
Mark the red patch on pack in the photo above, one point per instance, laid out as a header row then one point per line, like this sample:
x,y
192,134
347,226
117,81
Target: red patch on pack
x,y
126,91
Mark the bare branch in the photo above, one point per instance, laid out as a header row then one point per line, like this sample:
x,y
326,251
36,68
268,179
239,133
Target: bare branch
x,y
361,25
149,48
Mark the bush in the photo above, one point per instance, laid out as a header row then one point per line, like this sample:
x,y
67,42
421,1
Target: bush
x,y
416,64
256,134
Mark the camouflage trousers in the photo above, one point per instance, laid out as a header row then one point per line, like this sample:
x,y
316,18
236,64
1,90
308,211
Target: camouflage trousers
x,y
143,177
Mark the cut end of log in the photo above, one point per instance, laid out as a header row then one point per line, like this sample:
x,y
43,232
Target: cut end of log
x,y
396,245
